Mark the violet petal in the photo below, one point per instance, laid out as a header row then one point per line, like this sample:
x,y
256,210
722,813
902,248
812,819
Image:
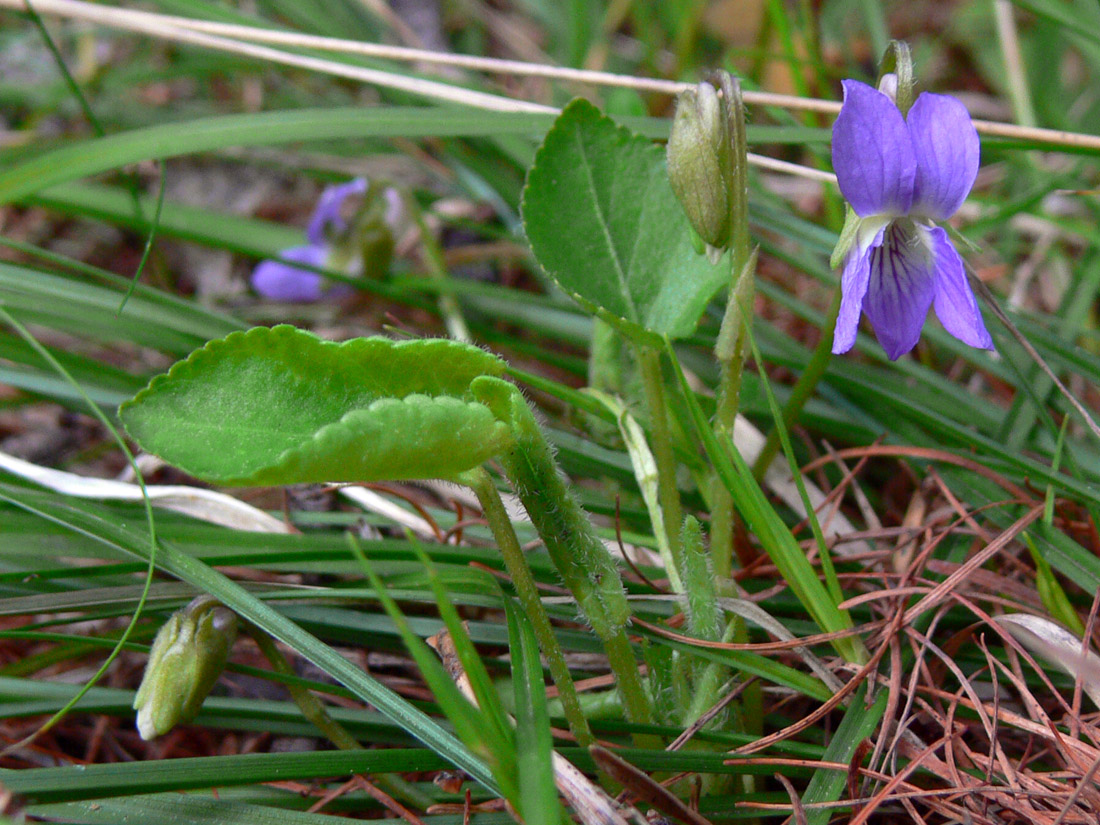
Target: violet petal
x,y
280,281
954,300
873,153
326,215
853,286
947,148
901,289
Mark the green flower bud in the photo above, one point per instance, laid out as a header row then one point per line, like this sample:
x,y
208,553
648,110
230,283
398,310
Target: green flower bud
x,y
366,247
187,657
896,79
700,162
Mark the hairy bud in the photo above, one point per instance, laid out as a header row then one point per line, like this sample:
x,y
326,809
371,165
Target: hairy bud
x,y
186,659
700,162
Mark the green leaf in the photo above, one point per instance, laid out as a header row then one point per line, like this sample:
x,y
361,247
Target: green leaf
x,y
281,406
603,222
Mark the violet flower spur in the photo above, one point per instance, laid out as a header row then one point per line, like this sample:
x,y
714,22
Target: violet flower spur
x,y
281,281
901,174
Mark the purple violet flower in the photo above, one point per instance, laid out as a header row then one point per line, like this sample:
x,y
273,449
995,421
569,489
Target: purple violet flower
x,y
901,174
279,281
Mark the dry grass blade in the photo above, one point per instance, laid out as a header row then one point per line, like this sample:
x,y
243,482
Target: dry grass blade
x,y
205,505
884,450
160,26
1054,643
642,786
231,37
798,812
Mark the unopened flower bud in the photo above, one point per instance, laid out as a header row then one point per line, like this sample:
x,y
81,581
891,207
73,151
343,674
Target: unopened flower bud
x,y
888,85
376,229
896,79
700,162
186,659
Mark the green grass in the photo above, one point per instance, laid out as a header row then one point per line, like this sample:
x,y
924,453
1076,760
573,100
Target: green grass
x,y
72,571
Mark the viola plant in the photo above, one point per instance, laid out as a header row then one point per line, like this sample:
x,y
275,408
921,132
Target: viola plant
x,y
370,409
562,456
361,246
902,173
279,405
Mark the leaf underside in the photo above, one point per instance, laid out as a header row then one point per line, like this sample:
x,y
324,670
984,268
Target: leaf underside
x,y
282,406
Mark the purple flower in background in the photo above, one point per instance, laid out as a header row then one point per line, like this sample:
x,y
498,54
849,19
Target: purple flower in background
x,y
901,174
281,281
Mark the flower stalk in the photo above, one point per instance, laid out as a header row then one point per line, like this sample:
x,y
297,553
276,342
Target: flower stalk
x,y
583,562
708,169
801,391
482,484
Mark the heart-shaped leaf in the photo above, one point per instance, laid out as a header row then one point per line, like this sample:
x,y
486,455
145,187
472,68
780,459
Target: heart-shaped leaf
x,y
603,222
282,406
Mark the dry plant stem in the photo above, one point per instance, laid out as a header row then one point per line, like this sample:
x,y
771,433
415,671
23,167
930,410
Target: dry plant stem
x,y
314,712
156,25
527,591
177,28
649,362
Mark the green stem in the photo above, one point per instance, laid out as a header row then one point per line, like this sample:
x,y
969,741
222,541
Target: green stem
x,y
312,708
493,508
721,528
730,346
714,674
437,268
803,388
730,351
583,562
667,493
314,712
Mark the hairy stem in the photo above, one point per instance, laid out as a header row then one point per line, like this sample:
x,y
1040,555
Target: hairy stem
x,y
583,562
493,508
